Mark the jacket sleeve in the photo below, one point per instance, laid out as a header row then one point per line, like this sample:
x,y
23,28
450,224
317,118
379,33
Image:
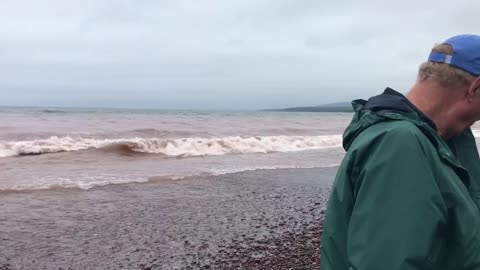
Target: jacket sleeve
x,y
398,210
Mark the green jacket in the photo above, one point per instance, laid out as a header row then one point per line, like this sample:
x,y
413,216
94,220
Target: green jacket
x,y
403,198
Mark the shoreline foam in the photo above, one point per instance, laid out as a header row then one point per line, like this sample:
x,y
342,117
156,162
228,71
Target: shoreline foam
x,y
79,186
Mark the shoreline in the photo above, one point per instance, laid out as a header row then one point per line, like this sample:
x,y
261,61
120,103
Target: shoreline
x,y
250,220
151,180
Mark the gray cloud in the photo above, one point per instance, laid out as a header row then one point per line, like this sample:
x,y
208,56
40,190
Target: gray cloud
x,y
236,54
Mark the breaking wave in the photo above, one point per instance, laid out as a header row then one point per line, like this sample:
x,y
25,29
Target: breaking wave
x,y
184,147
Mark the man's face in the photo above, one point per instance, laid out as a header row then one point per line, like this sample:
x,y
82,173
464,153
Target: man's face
x,y
472,101
465,108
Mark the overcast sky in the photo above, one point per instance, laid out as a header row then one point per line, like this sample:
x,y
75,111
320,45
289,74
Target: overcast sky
x,y
223,54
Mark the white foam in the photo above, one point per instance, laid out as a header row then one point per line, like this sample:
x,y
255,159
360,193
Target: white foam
x,y
86,182
83,182
176,147
217,172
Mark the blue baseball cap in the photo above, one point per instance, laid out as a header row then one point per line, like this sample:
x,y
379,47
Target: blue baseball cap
x,y
466,54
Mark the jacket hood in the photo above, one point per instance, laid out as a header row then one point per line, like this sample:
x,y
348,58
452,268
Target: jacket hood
x,y
388,106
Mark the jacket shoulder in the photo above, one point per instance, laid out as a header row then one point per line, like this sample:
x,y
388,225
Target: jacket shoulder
x,y
394,133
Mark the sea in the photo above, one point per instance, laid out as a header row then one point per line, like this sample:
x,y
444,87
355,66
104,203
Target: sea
x,y
84,148
156,189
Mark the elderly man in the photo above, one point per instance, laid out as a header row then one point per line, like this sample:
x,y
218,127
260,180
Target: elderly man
x,y
407,194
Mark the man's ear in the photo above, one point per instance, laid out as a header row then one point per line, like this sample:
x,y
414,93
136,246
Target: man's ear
x,y
474,88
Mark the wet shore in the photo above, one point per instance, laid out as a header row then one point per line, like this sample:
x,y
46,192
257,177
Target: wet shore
x,y
265,219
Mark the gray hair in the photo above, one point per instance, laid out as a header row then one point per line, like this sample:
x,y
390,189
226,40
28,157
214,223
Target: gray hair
x,y
444,74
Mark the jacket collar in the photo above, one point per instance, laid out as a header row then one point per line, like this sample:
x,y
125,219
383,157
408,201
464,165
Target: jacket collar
x,y
391,100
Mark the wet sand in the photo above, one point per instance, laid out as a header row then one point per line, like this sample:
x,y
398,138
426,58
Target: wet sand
x,y
266,219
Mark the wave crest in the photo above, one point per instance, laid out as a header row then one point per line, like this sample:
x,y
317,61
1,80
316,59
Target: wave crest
x,y
184,147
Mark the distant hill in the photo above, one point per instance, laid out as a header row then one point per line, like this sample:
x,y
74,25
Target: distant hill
x,y
332,107
337,104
